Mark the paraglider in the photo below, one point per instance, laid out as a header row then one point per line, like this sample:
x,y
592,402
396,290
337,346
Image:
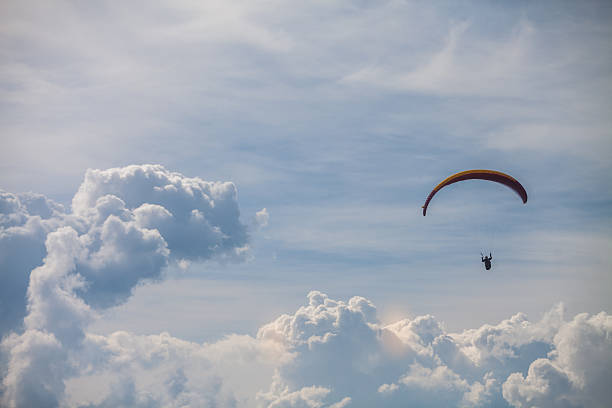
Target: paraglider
x,y
489,175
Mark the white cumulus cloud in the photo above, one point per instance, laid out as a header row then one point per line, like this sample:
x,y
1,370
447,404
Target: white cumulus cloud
x,y
127,224
328,353
576,373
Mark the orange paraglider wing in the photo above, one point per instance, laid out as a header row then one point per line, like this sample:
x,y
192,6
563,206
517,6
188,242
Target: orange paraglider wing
x,y
490,175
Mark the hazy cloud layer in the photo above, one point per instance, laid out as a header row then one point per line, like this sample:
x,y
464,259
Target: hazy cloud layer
x,y
529,82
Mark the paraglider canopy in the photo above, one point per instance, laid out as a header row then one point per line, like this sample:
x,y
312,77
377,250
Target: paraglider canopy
x,y
490,175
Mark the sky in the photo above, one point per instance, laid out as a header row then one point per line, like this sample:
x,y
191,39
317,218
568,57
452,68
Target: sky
x,y
218,203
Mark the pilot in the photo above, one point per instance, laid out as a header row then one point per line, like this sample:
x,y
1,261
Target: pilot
x,y
487,261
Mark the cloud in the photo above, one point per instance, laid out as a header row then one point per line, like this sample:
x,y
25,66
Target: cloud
x,y
126,225
124,228
461,66
61,88
342,351
328,353
25,221
577,371
129,223
161,370
306,397
262,217
439,386
198,219
38,358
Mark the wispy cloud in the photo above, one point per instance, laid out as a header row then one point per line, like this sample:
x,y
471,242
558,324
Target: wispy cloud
x,y
462,65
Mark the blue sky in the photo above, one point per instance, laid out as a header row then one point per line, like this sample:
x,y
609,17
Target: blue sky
x,y
338,118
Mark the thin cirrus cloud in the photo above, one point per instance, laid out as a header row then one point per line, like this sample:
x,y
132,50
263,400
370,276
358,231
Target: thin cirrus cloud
x,y
460,66
195,67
